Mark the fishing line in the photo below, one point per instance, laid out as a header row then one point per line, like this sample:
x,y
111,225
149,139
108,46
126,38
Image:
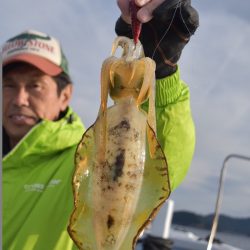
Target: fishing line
x,y
185,22
168,28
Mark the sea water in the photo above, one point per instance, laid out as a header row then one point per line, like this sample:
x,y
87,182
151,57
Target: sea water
x,y
237,240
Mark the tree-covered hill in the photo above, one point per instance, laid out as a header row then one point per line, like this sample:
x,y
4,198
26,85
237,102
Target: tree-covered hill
x,y
226,223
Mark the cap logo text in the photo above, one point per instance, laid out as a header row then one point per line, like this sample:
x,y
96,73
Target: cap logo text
x,y
24,43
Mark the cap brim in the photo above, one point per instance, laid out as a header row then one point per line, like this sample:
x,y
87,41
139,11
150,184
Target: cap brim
x,y
43,64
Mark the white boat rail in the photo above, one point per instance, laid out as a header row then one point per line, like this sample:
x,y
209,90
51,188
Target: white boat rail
x,y
219,196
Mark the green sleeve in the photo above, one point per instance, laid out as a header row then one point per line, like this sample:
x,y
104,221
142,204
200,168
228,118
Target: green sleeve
x,y
175,127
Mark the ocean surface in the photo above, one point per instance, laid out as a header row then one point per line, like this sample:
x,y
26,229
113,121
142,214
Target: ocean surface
x,y
240,241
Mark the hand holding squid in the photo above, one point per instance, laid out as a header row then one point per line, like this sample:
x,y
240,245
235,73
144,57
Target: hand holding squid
x,y
166,34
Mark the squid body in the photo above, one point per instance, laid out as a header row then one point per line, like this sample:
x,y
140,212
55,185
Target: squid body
x,y
121,177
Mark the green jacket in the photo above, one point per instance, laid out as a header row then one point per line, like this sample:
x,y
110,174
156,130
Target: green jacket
x,y
37,190
175,127
37,173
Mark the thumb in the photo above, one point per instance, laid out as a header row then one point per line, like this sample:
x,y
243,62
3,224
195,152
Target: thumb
x,y
145,14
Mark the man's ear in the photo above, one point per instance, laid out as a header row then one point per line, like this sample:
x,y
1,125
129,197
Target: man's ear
x,y
65,96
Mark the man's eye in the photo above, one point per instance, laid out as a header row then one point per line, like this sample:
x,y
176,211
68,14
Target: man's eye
x,y
35,85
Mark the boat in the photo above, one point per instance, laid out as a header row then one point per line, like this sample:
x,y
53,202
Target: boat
x,y
167,237
171,237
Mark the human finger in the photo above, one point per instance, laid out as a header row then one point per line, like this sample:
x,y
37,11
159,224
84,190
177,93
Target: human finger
x,y
124,7
141,3
145,14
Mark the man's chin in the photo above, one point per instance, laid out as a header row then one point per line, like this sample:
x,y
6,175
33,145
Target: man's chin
x,y
17,132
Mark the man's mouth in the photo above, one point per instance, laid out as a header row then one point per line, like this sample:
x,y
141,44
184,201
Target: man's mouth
x,y
21,119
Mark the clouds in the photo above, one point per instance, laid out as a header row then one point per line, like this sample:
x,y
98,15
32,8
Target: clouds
x,y
215,64
229,7
218,76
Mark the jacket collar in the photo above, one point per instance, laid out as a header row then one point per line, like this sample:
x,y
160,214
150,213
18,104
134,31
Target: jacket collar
x,y
47,137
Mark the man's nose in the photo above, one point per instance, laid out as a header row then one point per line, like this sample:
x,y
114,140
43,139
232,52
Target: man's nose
x,y
21,97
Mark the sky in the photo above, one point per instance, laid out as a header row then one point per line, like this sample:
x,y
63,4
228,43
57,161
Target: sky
x,y
215,64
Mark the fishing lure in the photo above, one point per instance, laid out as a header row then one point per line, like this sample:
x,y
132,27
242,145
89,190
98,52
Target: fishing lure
x,y
163,11
121,177
135,23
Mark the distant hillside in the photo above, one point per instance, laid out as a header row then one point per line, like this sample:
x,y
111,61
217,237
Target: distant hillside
x,y
226,223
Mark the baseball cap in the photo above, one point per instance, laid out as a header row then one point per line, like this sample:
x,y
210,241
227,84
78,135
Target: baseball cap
x,y
37,49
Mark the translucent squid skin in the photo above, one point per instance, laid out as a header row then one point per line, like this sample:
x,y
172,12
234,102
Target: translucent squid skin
x,y
117,181
121,177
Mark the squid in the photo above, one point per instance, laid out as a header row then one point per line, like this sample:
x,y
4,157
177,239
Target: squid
x,y
121,178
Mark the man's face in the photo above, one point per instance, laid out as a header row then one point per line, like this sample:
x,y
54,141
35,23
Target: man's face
x,y
28,96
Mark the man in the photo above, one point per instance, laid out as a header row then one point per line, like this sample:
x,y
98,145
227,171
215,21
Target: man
x,y
41,132
40,136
